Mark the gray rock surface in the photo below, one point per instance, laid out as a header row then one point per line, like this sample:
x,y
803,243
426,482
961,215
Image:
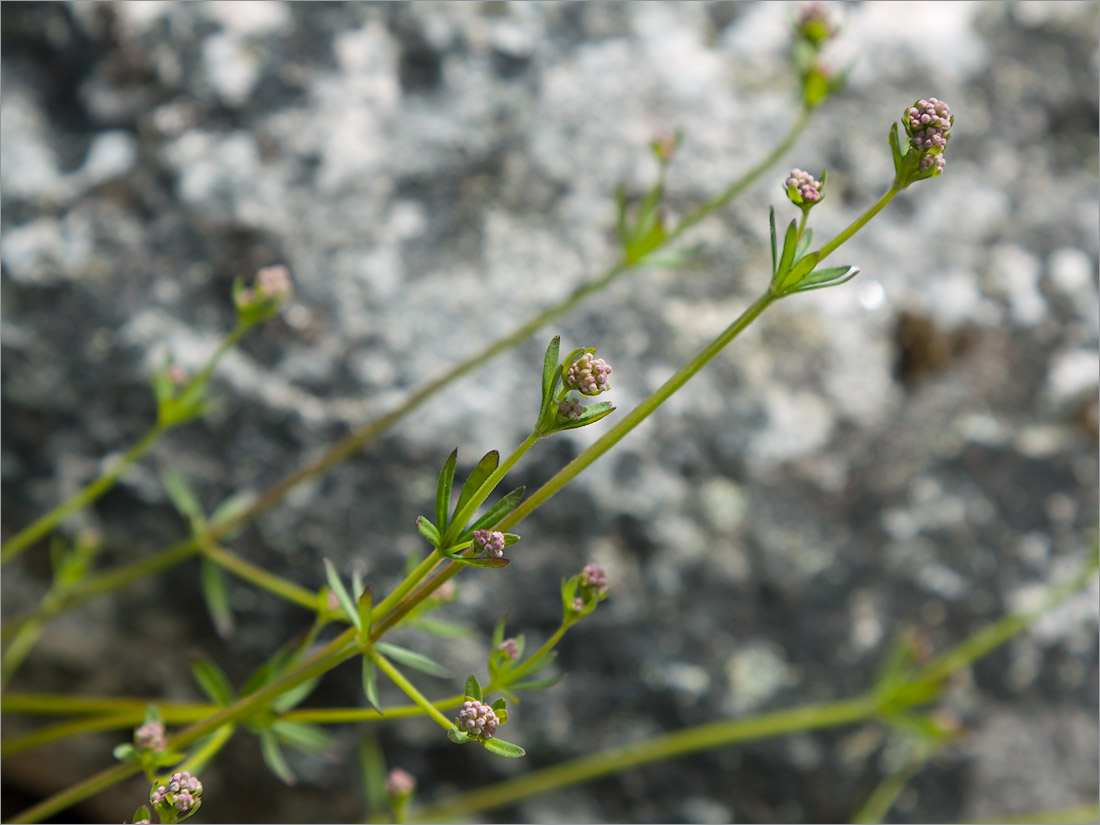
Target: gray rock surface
x,y
917,447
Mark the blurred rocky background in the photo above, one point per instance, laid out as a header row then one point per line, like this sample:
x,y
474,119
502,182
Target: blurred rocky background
x,y
918,447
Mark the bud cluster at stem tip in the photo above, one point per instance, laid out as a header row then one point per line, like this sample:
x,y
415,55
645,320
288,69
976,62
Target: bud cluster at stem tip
x,y
489,542
150,737
928,125
588,375
803,189
182,791
477,719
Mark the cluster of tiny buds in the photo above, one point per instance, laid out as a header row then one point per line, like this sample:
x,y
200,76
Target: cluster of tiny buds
x,y
477,719
802,188
489,542
570,408
400,783
665,146
588,375
182,792
814,22
150,737
595,579
509,647
928,122
272,284
176,374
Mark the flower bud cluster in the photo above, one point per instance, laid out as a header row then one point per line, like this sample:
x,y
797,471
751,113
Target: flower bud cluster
x,y
570,408
594,578
803,188
927,123
477,719
182,792
815,24
272,285
588,375
150,737
400,782
510,648
489,542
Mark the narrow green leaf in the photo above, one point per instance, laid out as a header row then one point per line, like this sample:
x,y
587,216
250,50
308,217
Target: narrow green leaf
x,y
273,757
229,509
804,244
775,253
483,562
370,684
507,504
498,632
851,273
480,474
372,773
125,752
302,735
550,371
443,490
620,220
538,684
342,596
457,736
789,243
591,414
822,275
412,659
438,627
295,696
152,714
644,244
499,705
182,494
428,531
215,591
542,662
502,748
258,678
213,681
365,604
801,269
141,815
473,688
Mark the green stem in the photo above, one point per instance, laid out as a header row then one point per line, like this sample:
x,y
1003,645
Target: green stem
x,y
201,757
30,534
857,224
423,569
19,648
63,730
521,670
743,182
635,417
260,577
609,761
54,704
885,794
105,582
398,678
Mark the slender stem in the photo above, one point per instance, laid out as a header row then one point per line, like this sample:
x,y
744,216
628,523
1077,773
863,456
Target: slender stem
x,y
635,417
63,730
105,582
260,577
60,704
423,569
612,760
30,534
19,648
336,716
521,670
398,678
885,794
743,182
77,793
857,224
201,757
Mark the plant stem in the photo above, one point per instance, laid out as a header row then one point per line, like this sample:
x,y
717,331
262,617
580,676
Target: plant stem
x,y
703,737
63,730
635,417
260,577
30,534
857,224
521,670
398,678
201,757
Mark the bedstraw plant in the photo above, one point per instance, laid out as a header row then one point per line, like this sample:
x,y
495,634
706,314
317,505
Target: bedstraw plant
x,y
469,525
